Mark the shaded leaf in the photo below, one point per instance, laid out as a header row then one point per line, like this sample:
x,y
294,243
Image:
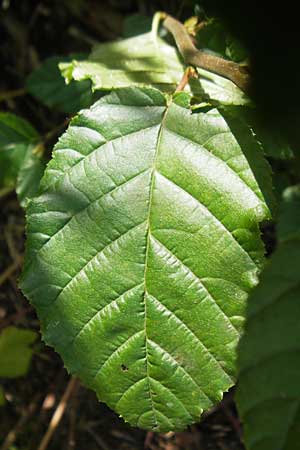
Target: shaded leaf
x,y
141,249
269,356
147,61
21,163
47,85
289,224
272,140
215,37
30,174
136,24
15,351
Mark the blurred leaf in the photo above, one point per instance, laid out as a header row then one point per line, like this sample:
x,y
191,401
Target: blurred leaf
x,y
47,85
145,61
16,136
214,36
14,129
289,225
21,164
30,174
235,49
136,24
269,355
15,351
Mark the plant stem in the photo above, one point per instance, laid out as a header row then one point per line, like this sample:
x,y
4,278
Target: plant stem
x,y
158,16
191,55
190,72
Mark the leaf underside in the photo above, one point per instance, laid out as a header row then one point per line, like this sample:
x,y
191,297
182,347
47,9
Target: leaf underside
x,y
146,60
141,249
269,355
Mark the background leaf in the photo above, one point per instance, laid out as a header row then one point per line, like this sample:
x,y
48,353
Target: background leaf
x,y
47,85
145,61
136,24
141,249
15,351
21,161
213,36
269,357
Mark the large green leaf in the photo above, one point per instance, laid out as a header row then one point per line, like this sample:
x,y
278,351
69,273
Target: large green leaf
x,y
141,250
269,354
146,60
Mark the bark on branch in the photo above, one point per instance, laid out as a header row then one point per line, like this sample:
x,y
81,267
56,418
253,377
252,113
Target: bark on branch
x,y
191,55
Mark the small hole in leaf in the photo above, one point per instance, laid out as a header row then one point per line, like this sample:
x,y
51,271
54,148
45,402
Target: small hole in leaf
x,y
124,368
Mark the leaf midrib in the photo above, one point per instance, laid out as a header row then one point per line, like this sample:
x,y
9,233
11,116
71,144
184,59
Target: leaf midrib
x,y
152,180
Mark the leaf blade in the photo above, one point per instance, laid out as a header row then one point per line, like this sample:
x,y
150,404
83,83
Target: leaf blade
x,y
139,267
271,372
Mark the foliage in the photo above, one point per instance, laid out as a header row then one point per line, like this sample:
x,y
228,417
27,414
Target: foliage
x,y
144,239
47,85
15,353
147,60
21,160
214,36
117,180
270,367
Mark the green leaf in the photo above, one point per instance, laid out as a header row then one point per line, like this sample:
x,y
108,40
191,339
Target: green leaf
x,y
147,61
136,24
16,135
214,36
272,140
21,161
235,49
15,351
139,61
30,174
141,249
47,85
289,225
269,356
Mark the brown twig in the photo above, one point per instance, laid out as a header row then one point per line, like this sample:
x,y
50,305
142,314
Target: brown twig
x,y
190,72
191,55
58,413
